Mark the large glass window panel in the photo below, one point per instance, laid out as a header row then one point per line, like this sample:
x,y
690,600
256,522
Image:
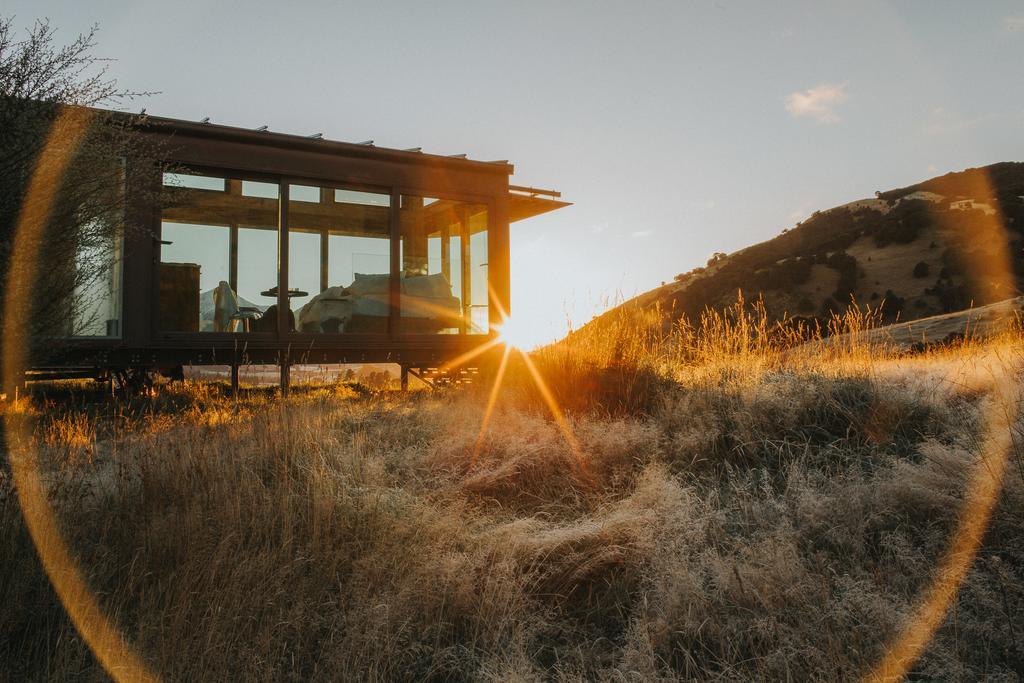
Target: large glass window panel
x,y
257,268
252,188
479,299
96,305
339,262
194,182
358,197
304,193
350,254
303,267
218,256
443,253
88,288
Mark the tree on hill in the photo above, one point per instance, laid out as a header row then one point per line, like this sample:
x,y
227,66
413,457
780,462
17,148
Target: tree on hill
x,y
716,258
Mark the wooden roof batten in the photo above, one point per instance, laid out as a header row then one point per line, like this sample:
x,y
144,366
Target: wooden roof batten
x,y
534,191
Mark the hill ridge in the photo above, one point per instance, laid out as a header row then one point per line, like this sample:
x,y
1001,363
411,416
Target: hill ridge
x,y
912,251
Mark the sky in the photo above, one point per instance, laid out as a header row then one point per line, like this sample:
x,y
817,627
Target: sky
x,y
677,129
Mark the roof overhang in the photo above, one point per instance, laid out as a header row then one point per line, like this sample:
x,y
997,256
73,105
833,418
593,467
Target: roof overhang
x,y
527,202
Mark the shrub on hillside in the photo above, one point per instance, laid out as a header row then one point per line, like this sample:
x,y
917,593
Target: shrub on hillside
x,y
892,305
903,224
846,266
951,297
783,275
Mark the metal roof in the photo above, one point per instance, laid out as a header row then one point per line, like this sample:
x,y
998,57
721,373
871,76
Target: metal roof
x,y
316,141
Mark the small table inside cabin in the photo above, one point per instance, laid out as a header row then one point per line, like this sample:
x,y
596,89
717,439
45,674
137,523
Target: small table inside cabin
x,y
292,293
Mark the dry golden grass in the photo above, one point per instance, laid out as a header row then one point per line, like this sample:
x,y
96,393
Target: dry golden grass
x,y
751,503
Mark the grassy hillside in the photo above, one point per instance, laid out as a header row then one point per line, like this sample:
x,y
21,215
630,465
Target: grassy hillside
x,y
726,504
923,250
915,335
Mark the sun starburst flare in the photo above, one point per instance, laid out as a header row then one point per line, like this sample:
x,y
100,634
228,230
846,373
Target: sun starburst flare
x,y
516,337
517,334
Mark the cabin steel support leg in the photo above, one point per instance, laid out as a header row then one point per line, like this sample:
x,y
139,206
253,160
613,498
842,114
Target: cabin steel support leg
x,y
405,378
234,380
285,379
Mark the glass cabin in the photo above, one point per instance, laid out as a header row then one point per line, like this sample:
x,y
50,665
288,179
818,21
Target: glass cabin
x,y
256,247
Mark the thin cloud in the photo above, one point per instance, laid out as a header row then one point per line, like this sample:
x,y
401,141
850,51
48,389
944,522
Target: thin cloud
x,y
1014,24
944,122
643,233
819,102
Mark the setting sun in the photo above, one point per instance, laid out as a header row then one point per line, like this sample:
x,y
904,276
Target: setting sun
x,y
519,334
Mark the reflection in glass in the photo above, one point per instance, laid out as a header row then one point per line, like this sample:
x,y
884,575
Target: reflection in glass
x,y
479,296
218,257
339,264
194,182
218,260
303,268
257,269
444,266
96,304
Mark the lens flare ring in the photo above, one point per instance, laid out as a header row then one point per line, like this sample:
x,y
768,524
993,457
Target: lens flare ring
x,y
993,277
115,653
112,650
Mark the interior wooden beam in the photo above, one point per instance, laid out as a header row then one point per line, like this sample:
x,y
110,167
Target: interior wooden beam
x,y
446,254
207,207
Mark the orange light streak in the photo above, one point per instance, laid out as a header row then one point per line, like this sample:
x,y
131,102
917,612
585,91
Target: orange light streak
x,y
470,355
559,417
491,400
549,399
993,278
979,501
111,649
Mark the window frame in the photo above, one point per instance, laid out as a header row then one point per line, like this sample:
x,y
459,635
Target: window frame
x,y
227,175
487,201
310,340
286,182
